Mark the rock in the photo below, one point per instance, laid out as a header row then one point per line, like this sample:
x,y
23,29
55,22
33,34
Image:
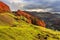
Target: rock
x,y
31,19
4,7
41,23
21,13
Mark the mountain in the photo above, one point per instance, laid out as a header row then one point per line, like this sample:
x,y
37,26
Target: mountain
x,y
50,19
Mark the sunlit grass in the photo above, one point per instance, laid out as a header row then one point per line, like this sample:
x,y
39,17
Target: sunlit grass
x,y
25,31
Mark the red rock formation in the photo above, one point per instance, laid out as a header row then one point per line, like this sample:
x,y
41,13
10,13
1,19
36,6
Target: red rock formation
x,y
41,23
19,12
4,7
31,19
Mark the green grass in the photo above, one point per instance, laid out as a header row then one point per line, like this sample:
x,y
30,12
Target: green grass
x,y
25,31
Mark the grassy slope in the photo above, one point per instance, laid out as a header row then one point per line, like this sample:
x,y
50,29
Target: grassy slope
x,y
25,31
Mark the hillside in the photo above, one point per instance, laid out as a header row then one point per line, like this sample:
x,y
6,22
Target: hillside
x,y
19,27
51,19
25,31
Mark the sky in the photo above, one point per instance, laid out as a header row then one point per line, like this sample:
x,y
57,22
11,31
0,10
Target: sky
x,y
51,5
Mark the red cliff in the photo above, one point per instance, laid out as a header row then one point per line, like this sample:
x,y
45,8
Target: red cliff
x,y
31,19
19,12
4,7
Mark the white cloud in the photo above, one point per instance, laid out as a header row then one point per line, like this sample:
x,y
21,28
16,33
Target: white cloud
x,y
15,1
15,4
40,10
25,4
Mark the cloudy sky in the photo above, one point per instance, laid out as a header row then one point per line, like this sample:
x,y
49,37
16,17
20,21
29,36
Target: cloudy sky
x,y
54,5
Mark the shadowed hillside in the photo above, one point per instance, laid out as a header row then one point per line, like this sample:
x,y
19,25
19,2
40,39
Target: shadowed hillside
x,y
51,19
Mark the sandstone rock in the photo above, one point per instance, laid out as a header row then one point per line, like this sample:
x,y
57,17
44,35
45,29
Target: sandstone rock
x,y
4,7
21,13
31,19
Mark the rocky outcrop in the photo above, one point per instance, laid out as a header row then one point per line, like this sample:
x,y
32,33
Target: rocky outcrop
x,y
4,7
31,19
19,12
